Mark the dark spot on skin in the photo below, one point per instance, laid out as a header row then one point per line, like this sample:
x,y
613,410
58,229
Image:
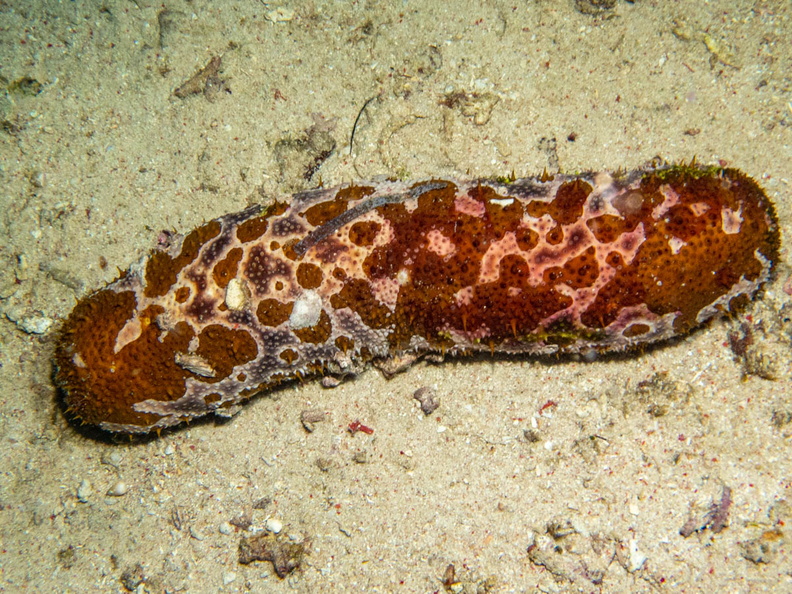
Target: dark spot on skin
x,y
363,233
182,294
344,343
289,355
223,349
309,276
272,313
226,269
321,213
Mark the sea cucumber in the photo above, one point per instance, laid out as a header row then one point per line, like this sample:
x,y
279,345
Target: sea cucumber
x,y
390,271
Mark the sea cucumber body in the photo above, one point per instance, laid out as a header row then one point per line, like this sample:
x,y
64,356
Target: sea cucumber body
x,y
341,276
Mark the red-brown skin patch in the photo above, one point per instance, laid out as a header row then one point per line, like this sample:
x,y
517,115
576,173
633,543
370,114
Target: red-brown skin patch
x,y
363,233
253,229
344,343
224,349
273,313
508,307
319,214
226,269
578,272
607,228
567,205
290,356
309,276
356,295
182,294
162,270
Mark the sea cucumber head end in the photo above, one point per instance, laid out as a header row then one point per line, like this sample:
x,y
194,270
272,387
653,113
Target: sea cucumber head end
x,y
101,383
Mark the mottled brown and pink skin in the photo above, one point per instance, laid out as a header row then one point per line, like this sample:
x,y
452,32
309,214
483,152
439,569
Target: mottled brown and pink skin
x,y
392,270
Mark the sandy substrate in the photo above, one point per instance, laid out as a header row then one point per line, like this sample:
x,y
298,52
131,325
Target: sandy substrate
x,y
563,476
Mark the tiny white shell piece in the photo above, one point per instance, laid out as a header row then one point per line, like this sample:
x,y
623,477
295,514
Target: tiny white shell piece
x,y
237,296
273,525
119,489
